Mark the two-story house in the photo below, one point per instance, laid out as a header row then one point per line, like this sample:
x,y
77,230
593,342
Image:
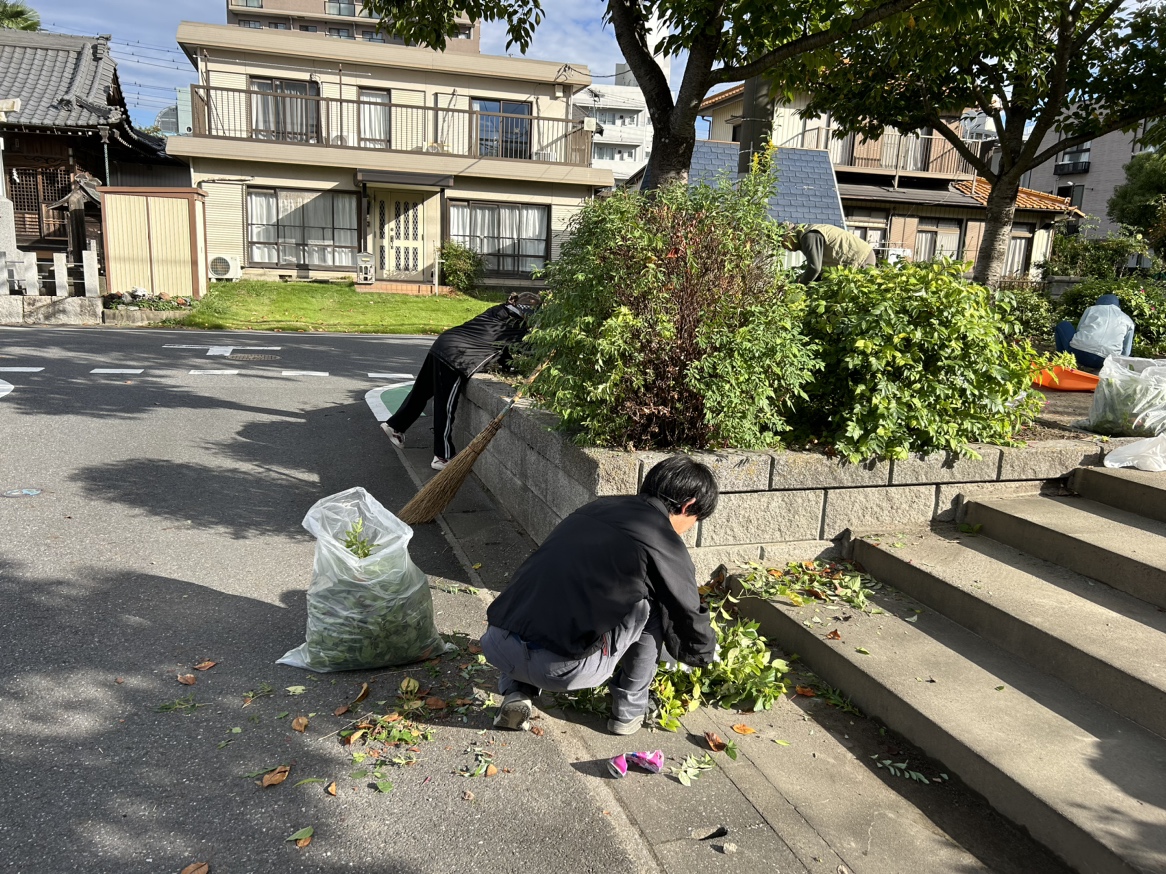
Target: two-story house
x,y
910,196
313,150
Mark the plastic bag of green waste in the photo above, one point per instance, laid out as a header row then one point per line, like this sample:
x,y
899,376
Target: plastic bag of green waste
x,y
367,612
1130,399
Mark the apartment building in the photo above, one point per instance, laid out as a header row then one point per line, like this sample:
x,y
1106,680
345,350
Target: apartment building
x,y
910,196
313,151
623,139
340,19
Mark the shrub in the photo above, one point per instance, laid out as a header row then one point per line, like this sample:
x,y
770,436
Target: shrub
x,y
461,267
1143,301
916,360
1032,313
670,322
1092,257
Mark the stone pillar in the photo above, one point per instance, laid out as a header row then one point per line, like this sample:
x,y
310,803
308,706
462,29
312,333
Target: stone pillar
x,y
29,275
5,288
89,266
60,274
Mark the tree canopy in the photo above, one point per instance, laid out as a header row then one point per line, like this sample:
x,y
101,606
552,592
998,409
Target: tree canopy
x,y
726,41
1075,68
15,15
1136,203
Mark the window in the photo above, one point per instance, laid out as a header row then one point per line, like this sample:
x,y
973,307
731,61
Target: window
x,y
340,32
465,33
279,25
372,36
341,8
248,4
510,237
604,153
503,128
375,118
868,224
1075,194
1019,250
937,238
247,22
736,133
292,228
627,153
285,109
309,28
1074,160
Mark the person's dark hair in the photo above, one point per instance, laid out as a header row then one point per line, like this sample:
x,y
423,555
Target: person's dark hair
x,y
679,479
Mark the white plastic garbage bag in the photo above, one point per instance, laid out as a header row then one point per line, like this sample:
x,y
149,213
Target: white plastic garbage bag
x,y
364,612
1148,454
1130,400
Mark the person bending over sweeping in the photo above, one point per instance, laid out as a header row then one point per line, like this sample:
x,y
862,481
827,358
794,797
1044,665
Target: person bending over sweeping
x,y
455,356
828,246
610,587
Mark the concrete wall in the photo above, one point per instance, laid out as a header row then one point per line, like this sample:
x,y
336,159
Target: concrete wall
x,y
775,506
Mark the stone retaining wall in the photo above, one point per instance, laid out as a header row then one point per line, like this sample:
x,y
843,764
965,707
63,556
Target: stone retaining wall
x,y
774,506
44,310
140,317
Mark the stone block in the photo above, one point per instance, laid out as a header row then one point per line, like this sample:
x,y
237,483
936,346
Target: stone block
x,y
551,484
61,311
707,559
8,228
1048,459
91,280
953,497
813,470
11,310
947,467
60,275
764,517
781,554
738,471
27,274
877,508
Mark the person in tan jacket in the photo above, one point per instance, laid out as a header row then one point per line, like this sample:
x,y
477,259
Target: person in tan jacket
x,y
828,246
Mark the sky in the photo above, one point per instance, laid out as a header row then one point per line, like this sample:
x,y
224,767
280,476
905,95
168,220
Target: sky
x,y
151,66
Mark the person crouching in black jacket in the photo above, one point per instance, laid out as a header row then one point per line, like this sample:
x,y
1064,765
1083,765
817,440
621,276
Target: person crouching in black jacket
x,y
607,591
455,356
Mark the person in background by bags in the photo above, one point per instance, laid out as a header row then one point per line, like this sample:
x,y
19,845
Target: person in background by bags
x,y
607,591
1104,330
828,246
455,356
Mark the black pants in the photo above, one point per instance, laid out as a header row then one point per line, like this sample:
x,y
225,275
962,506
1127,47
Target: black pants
x,y
439,381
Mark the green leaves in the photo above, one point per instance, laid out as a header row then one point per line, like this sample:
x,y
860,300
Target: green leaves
x,y
692,767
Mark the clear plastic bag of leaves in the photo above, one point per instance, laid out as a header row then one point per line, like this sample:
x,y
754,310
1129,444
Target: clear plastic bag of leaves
x,y
1130,399
363,612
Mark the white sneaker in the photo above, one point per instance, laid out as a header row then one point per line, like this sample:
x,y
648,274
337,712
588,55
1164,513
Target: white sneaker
x,y
395,437
438,462
514,714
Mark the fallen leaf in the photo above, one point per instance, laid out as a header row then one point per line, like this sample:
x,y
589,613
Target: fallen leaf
x,y
491,770
341,710
300,723
301,834
309,780
999,688
205,666
275,777
362,694
296,690
392,717
463,702
331,788
834,635
477,566
435,703
303,842
537,730
474,648
741,728
467,795
119,680
805,690
862,650
781,743
197,868
715,743
187,679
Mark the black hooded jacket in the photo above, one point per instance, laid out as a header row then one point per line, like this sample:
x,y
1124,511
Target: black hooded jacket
x,y
593,569
469,347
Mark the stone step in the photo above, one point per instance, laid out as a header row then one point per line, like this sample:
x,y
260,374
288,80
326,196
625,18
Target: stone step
x,y
1117,547
1109,646
1083,780
1136,491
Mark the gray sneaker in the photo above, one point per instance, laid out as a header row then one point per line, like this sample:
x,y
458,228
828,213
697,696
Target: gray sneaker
x,y
514,714
625,727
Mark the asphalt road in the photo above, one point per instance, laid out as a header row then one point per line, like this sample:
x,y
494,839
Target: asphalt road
x,y
166,531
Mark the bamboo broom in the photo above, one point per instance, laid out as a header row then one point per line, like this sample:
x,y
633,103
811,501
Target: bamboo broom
x,y
436,494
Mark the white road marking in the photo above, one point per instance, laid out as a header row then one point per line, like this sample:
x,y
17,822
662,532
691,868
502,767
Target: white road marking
x,y
305,373
216,372
222,350
21,369
390,376
115,370
6,387
372,397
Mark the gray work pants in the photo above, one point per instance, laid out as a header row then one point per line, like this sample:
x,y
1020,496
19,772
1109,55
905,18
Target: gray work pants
x,y
627,657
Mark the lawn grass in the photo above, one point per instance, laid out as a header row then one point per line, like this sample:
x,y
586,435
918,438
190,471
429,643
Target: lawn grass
x,y
308,306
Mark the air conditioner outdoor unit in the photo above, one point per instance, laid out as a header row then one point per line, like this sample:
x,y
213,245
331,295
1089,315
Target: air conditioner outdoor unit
x,y
895,254
589,123
544,156
225,267
437,148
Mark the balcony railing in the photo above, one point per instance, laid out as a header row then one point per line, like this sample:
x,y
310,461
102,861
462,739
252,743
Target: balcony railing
x,y
363,124
893,153
1066,168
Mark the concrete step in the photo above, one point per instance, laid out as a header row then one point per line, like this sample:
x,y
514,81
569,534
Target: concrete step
x,y
1109,646
1117,547
1083,780
1135,491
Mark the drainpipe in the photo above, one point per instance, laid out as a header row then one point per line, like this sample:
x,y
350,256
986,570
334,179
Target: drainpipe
x,y
104,131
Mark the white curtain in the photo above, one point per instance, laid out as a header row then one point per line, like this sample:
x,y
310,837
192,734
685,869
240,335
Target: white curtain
x,y
317,220
262,227
1017,255
375,116
511,238
345,223
533,245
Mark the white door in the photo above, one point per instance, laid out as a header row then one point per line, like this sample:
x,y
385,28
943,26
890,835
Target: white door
x,y
400,218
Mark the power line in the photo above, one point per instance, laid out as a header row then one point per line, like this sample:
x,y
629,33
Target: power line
x,y
144,85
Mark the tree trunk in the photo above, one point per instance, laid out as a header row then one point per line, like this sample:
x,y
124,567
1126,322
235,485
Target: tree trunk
x,y
671,155
993,251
